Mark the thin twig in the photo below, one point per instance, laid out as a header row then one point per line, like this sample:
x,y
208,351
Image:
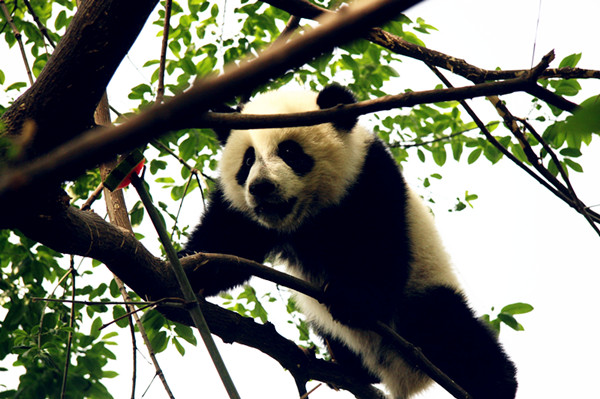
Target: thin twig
x,y
160,92
17,34
503,111
39,23
93,197
63,389
117,213
186,288
578,204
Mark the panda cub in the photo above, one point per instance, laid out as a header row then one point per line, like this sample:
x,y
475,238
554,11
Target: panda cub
x,y
330,201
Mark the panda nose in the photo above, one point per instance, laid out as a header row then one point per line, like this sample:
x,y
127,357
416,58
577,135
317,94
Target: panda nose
x,y
262,188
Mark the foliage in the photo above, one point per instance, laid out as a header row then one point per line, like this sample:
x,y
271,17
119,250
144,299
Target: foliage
x,y
506,316
204,37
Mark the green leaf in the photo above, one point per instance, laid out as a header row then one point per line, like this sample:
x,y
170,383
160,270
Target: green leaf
x,y
159,341
457,149
586,119
510,321
573,165
156,165
95,328
570,61
439,154
178,346
474,155
137,214
2,77
109,374
16,86
570,152
518,152
185,332
568,87
61,20
517,308
188,66
119,311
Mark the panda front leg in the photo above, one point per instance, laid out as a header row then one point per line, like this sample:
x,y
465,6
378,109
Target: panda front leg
x,y
224,230
439,321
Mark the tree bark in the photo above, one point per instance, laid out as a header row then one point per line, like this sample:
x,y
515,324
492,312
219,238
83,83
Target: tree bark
x,y
62,100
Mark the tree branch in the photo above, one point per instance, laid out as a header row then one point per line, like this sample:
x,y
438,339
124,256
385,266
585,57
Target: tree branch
x,y
78,154
85,233
349,23
99,36
398,45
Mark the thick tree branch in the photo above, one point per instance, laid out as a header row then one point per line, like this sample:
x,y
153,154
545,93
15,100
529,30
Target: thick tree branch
x,y
78,154
349,23
85,233
62,100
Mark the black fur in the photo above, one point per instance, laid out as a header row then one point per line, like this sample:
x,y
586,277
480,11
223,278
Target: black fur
x,y
440,322
334,95
294,156
247,162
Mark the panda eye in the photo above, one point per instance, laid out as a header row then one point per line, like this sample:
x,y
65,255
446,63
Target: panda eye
x,y
247,162
289,148
294,156
249,157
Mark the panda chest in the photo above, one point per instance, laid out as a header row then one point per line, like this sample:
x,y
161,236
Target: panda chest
x,y
317,251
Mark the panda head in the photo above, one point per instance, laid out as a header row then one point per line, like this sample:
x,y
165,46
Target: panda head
x,y
279,177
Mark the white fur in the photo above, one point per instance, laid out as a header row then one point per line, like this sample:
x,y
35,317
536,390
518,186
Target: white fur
x,y
338,156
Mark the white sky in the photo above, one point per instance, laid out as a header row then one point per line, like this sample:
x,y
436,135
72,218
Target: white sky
x,y
519,243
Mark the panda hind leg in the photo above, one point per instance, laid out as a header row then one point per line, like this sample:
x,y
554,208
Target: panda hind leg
x,y
439,321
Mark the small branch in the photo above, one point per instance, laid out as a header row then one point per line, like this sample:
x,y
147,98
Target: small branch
x,y
578,204
186,288
63,388
39,23
163,53
17,34
412,354
289,29
117,213
92,198
415,356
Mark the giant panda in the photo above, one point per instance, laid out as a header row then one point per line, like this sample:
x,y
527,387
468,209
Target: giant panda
x,y
331,203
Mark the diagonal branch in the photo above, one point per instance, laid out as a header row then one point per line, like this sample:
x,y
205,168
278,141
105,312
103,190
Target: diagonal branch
x,y
347,24
396,44
84,233
72,158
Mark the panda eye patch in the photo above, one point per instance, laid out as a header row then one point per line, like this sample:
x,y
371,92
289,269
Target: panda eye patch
x,y
247,162
294,156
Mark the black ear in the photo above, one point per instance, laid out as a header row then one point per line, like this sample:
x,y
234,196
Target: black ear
x,y
333,95
223,132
